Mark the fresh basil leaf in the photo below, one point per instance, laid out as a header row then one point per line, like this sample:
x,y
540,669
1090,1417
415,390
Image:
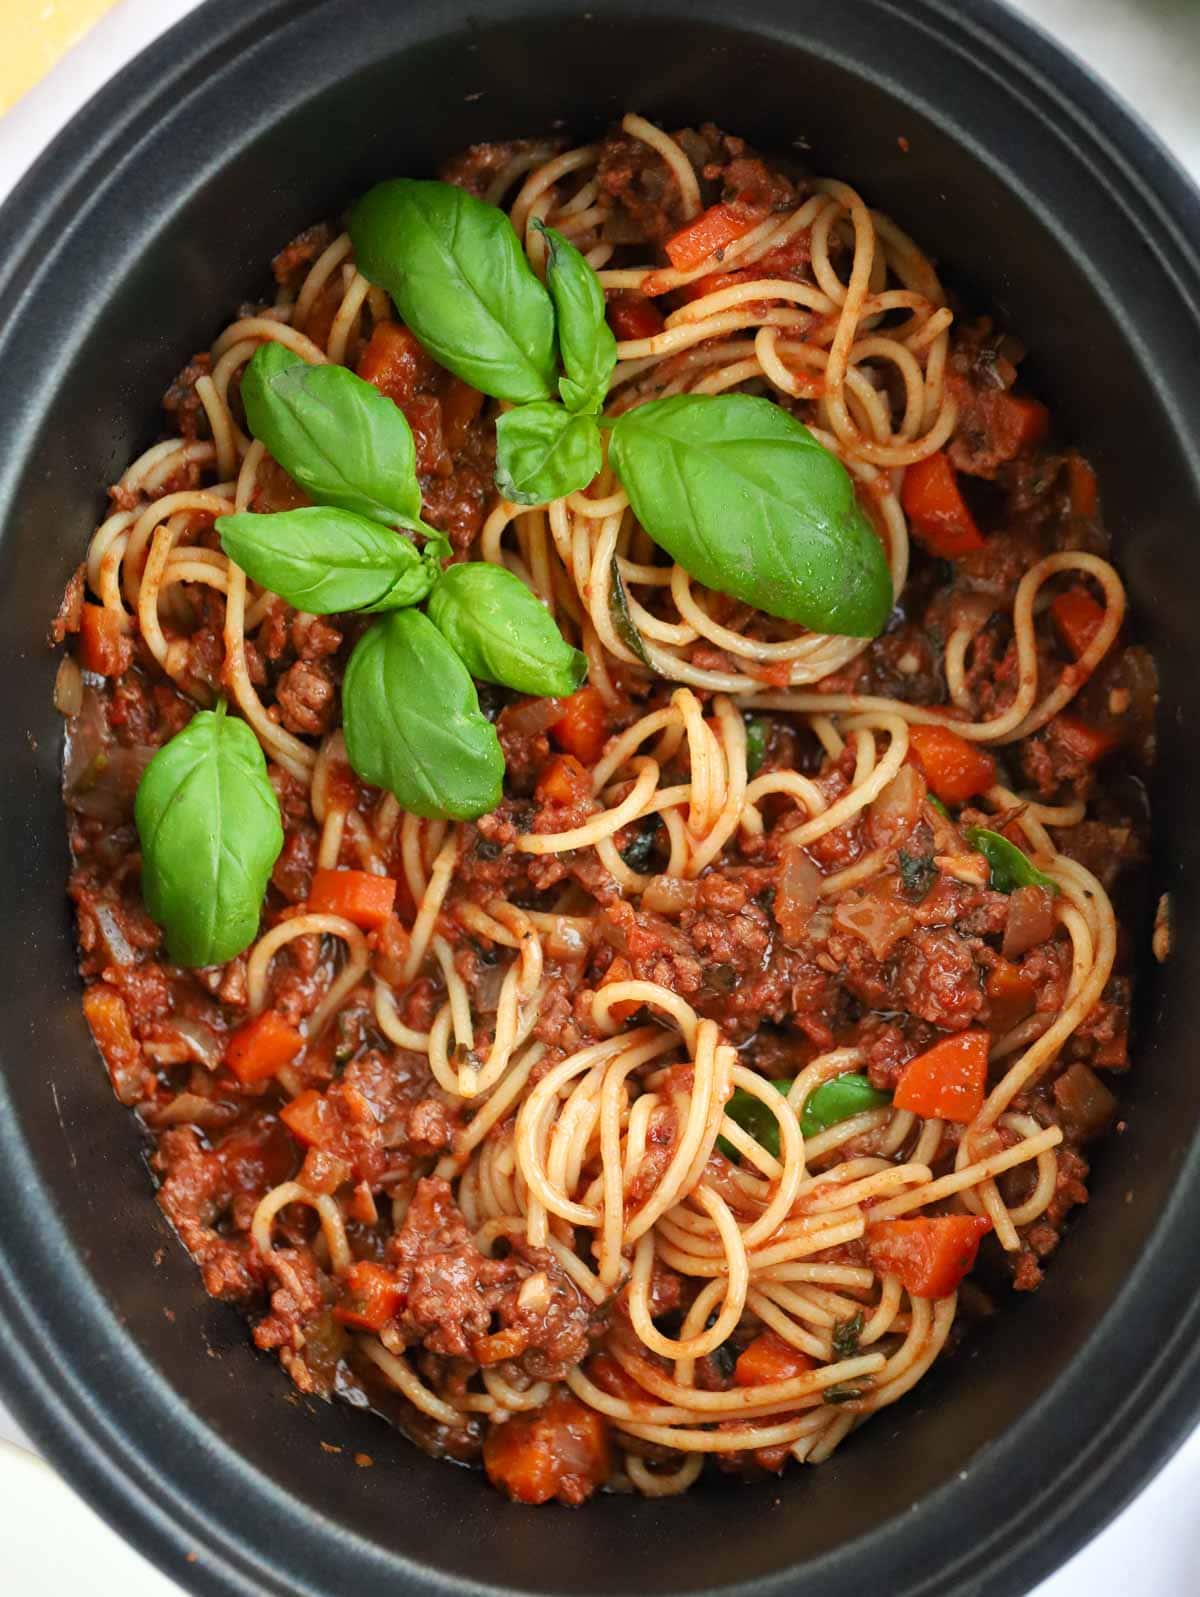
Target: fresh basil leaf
x,y
1010,868
343,441
326,560
750,504
917,874
585,340
756,745
209,825
837,1100
502,632
460,280
544,452
639,851
846,1334
618,610
933,799
753,1116
413,725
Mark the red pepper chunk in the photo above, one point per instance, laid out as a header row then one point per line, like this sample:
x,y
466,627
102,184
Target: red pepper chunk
x,y
955,769
103,647
372,1295
561,1450
1082,486
929,1255
706,234
583,729
1016,423
936,509
308,1117
947,1081
769,1358
1087,743
632,316
1077,618
395,362
358,896
260,1048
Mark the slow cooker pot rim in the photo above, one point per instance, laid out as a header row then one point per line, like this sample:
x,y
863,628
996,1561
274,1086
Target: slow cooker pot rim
x,y
98,1448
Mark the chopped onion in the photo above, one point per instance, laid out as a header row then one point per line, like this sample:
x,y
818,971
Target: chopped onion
x,y
797,894
1086,1104
189,1108
203,1043
880,922
892,816
669,895
116,945
68,687
1031,921
531,716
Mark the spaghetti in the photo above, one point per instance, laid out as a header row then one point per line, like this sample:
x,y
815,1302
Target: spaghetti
x,y
536,1161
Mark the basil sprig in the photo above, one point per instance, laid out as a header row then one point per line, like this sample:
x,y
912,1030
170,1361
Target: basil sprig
x,y
832,1102
585,340
544,452
210,831
326,560
746,500
460,280
1010,867
503,633
413,725
619,614
343,441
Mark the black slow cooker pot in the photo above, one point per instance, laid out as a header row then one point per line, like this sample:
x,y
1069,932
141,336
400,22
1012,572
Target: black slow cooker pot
x,y
125,249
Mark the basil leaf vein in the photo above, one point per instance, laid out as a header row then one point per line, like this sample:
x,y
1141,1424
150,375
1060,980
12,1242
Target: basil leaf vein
x,y
585,340
208,820
503,633
544,452
413,725
325,560
344,442
459,278
749,503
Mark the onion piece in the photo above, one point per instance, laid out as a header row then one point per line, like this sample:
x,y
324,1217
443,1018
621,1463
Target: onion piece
x,y
1086,1104
797,894
189,1108
892,816
68,687
880,922
1031,920
669,895
529,717
203,1043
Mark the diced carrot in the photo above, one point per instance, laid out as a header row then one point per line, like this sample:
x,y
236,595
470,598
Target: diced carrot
x,y
260,1048
1088,743
713,230
583,729
560,1450
563,781
1016,423
1082,486
930,1255
955,769
308,1117
395,362
937,510
103,647
372,1295
632,316
769,1358
1010,994
107,1013
947,1081
358,896
1078,618
620,970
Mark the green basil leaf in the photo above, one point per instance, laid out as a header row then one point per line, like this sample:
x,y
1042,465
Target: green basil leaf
x,y
753,1116
326,560
343,441
544,452
1010,867
932,798
917,874
460,280
756,745
750,504
585,340
502,632
838,1100
209,825
618,610
413,725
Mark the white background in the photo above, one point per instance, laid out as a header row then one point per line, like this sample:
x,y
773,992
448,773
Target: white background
x,y
49,1542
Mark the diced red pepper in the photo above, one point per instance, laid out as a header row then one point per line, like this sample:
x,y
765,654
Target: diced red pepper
x,y
930,1255
583,729
947,1081
395,362
1082,486
1011,995
955,769
103,646
706,234
260,1048
1016,423
769,1358
633,316
358,896
936,510
372,1295
308,1117
563,781
1087,743
1078,618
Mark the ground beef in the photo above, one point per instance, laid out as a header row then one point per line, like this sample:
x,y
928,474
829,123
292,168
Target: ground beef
x,y
306,695
937,979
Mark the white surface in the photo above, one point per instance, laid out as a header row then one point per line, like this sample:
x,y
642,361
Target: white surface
x,y
49,1542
